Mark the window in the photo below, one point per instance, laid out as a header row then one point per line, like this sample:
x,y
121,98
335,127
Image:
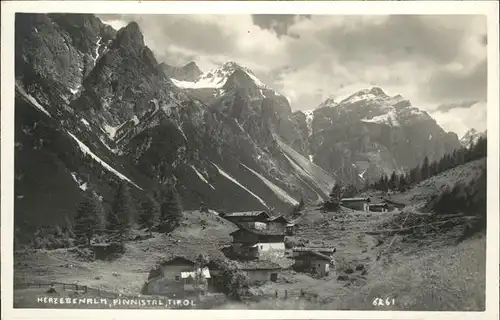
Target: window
x,y
177,278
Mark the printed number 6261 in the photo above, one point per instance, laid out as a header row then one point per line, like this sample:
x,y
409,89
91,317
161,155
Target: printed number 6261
x,y
379,302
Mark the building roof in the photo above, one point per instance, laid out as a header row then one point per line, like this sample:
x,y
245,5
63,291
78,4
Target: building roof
x,y
307,249
258,265
278,219
177,259
246,214
259,232
313,255
355,199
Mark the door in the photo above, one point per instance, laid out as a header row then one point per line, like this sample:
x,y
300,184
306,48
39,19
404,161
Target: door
x,y
274,277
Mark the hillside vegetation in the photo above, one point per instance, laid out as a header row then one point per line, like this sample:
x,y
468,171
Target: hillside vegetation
x,y
421,259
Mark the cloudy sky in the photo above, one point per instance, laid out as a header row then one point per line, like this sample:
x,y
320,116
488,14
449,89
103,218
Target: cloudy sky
x,y
438,62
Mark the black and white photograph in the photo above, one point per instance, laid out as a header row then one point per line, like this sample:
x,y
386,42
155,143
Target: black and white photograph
x,y
257,161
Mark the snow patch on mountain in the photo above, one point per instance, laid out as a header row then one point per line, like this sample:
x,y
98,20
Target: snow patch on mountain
x,y
280,193
471,137
115,151
29,98
213,212
309,120
111,131
201,176
362,175
87,150
135,120
182,132
227,176
217,78
98,45
257,81
81,184
389,119
74,90
85,122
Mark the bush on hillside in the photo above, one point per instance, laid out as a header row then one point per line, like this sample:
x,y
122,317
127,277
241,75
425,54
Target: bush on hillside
x,y
52,237
468,199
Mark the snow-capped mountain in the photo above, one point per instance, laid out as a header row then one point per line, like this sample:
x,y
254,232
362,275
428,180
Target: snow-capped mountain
x,y
370,133
217,78
94,107
471,137
130,120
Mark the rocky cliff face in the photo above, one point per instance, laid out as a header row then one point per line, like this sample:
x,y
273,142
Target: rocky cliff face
x,y
189,72
94,107
370,133
471,137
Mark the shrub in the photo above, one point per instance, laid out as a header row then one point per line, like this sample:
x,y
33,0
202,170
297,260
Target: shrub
x,y
234,283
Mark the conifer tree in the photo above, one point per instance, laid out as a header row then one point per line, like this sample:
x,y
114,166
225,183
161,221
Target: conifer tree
x,y
425,169
150,213
433,169
170,210
394,181
385,183
402,182
87,218
121,217
336,196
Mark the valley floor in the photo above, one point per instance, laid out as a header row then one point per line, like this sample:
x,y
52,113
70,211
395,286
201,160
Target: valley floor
x,y
419,272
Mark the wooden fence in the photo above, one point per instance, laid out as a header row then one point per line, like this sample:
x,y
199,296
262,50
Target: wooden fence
x,y
279,294
64,286
74,287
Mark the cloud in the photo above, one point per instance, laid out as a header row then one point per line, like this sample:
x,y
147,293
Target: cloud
x,y
460,120
449,106
452,83
435,61
278,23
211,38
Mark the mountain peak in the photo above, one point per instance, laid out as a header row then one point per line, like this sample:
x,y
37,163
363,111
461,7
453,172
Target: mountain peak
x,y
378,92
192,65
230,66
130,36
328,103
218,77
188,72
471,135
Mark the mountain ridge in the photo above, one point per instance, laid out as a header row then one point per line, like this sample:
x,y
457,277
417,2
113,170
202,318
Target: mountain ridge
x,y
226,139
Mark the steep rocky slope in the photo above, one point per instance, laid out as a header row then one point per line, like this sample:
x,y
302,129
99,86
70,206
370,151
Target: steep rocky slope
x,y
94,107
370,133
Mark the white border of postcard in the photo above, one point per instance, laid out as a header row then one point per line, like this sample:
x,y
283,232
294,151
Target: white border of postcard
x,y
488,8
